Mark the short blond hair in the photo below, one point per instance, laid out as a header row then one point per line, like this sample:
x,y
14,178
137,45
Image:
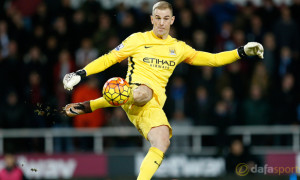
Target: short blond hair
x,y
162,5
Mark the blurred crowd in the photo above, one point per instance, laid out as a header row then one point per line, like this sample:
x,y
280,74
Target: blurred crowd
x,y
41,41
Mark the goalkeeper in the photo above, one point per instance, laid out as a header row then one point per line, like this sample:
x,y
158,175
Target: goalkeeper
x,y
152,56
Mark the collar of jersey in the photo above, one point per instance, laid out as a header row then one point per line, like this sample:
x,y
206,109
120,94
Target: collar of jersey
x,y
152,33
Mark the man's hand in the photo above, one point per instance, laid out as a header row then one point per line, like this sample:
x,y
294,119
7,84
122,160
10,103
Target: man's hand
x,y
254,48
70,80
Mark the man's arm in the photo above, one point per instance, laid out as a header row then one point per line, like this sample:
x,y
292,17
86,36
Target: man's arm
x,y
96,66
124,50
199,58
101,63
208,59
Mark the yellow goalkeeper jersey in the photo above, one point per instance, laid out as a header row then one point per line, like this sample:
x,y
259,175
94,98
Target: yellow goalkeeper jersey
x,y
152,60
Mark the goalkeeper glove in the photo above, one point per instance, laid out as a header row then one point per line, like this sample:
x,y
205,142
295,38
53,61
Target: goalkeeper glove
x,y
251,49
72,79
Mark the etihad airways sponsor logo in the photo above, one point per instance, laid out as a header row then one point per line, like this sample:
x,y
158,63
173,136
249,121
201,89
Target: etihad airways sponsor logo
x,y
159,63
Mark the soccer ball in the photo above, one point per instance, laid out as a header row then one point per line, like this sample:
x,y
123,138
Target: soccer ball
x,y
116,91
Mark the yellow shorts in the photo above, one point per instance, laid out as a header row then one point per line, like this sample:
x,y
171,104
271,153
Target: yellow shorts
x,y
146,117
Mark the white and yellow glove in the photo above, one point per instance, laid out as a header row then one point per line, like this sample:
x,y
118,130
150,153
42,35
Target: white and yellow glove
x,y
251,49
72,79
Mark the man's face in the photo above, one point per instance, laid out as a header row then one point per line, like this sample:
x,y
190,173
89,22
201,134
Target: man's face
x,y
162,19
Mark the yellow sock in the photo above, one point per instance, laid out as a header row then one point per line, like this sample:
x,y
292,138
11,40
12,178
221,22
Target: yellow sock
x,y
150,164
102,103
99,103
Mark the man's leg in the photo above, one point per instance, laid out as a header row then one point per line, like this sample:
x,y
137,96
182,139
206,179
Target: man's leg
x,y
160,142
140,96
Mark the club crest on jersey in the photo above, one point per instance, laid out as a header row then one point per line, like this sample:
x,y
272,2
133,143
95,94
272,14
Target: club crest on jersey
x,y
118,48
172,51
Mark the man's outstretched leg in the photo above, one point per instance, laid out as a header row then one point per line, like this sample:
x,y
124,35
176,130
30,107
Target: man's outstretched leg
x,y
160,142
74,109
140,96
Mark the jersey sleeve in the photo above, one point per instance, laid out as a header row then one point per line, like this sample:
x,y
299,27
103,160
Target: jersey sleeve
x,y
121,52
127,47
200,58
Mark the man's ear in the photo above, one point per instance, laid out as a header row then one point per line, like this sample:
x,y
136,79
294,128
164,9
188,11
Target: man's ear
x,y
151,17
172,19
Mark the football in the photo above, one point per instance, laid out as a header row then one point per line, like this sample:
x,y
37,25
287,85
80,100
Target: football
x,y
116,91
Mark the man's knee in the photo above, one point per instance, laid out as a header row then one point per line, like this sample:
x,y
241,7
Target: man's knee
x,y
165,141
159,137
142,95
161,143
